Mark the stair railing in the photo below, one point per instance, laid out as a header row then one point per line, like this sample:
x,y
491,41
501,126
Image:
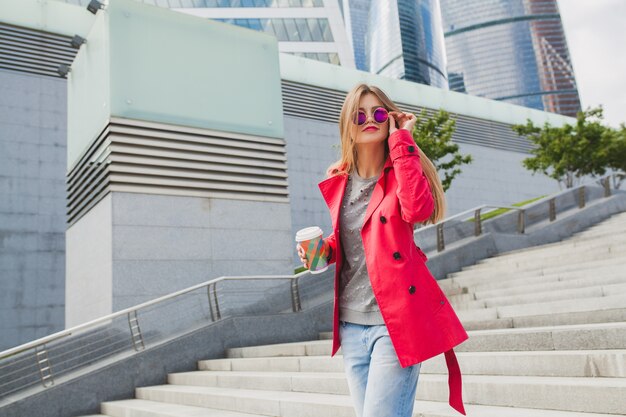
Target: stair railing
x,y
543,209
131,330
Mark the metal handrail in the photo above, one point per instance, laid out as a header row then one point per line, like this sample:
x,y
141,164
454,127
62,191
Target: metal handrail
x,y
84,326
521,222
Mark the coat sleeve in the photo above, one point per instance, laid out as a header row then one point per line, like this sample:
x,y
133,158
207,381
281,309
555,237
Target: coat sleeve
x,y
414,194
332,242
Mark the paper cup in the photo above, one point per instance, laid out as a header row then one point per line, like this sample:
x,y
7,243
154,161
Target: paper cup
x,y
316,252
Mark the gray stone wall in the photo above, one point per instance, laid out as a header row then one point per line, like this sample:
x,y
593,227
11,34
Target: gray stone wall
x,y
32,206
160,244
163,243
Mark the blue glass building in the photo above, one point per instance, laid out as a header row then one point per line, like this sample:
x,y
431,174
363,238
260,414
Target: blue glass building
x,y
510,50
405,40
356,15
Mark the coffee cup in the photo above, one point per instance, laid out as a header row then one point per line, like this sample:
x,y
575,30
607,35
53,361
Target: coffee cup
x,y
315,249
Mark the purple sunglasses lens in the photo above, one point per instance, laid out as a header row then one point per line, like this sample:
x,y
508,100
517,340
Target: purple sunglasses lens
x,y
381,115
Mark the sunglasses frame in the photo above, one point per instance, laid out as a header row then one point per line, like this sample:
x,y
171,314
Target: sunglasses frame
x,y
359,112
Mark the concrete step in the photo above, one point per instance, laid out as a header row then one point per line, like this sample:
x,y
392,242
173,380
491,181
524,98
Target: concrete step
x,y
562,319
570,289
311,348
473,281
326,335
571,245
314,405
551,295
550,307
551,282
608,231
143,408
589,237
553,249
539,266
513,277
573,363
603,395
569,337
575,261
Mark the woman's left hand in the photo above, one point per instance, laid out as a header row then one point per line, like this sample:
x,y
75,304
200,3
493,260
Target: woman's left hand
x,y
405,121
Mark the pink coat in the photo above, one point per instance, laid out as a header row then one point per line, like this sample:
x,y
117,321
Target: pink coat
x,y
419,318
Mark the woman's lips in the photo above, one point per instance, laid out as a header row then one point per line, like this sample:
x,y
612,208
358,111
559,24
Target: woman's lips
x,y
369,128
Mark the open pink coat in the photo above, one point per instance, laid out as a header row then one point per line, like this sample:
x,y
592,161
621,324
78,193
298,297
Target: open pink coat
x,y
419,318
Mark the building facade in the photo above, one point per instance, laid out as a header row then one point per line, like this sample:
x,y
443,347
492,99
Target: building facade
x,y
510,50
113,196
312,29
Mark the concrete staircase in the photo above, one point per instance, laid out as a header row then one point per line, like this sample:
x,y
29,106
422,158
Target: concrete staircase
x,y
547,330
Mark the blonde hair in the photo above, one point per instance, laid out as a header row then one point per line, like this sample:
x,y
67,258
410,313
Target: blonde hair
x,y
348,131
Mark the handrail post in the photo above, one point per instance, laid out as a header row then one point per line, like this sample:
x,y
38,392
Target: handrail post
x,y
43,363
295,295
477,223
521,221
214,306
552,208
440,242
581,196
135,331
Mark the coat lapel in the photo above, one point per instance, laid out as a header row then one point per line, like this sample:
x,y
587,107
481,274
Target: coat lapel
x,y
333,189
379,192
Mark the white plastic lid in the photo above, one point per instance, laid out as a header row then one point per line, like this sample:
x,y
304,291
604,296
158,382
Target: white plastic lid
x,y
308,233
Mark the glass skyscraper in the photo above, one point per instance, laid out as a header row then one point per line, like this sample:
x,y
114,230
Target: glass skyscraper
x,y
356,14
510,50
405,40
309,28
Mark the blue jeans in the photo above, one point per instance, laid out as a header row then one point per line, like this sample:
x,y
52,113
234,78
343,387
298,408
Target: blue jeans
x,y
379,386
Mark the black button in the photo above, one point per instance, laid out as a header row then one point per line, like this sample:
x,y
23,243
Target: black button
x,y
442,302
411,289
383,220
411,148
396,255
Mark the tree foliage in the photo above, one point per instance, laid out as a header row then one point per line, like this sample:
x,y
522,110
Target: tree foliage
x,y
433,135
570,152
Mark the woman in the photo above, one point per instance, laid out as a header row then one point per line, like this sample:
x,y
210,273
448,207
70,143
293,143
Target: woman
x,y
389,314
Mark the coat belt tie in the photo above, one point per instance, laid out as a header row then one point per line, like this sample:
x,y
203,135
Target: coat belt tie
x,y
455,385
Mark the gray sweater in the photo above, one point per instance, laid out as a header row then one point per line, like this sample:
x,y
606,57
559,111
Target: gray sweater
x,y
357,303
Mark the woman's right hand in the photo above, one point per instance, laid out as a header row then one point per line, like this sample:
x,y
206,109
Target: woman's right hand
x,y
302,256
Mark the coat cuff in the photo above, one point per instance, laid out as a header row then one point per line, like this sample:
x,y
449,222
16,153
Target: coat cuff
x,y
401,143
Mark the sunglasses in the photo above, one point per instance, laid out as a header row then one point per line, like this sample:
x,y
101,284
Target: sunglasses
x,y
380,116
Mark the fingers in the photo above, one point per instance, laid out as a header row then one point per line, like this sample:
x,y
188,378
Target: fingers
x,y
405,120
302,256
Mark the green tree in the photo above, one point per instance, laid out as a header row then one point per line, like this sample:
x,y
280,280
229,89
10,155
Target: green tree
x,y
568,153
616,155
433,135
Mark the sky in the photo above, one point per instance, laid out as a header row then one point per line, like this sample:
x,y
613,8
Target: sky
x,y
596,36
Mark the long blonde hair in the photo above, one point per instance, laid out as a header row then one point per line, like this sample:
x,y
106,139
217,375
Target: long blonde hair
x,y
348,130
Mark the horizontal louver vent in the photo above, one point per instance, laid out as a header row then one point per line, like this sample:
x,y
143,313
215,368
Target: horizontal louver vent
x,y
146,157
32,51
323,104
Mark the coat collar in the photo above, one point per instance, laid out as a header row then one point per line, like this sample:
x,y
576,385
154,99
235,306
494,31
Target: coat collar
x,y
333,189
